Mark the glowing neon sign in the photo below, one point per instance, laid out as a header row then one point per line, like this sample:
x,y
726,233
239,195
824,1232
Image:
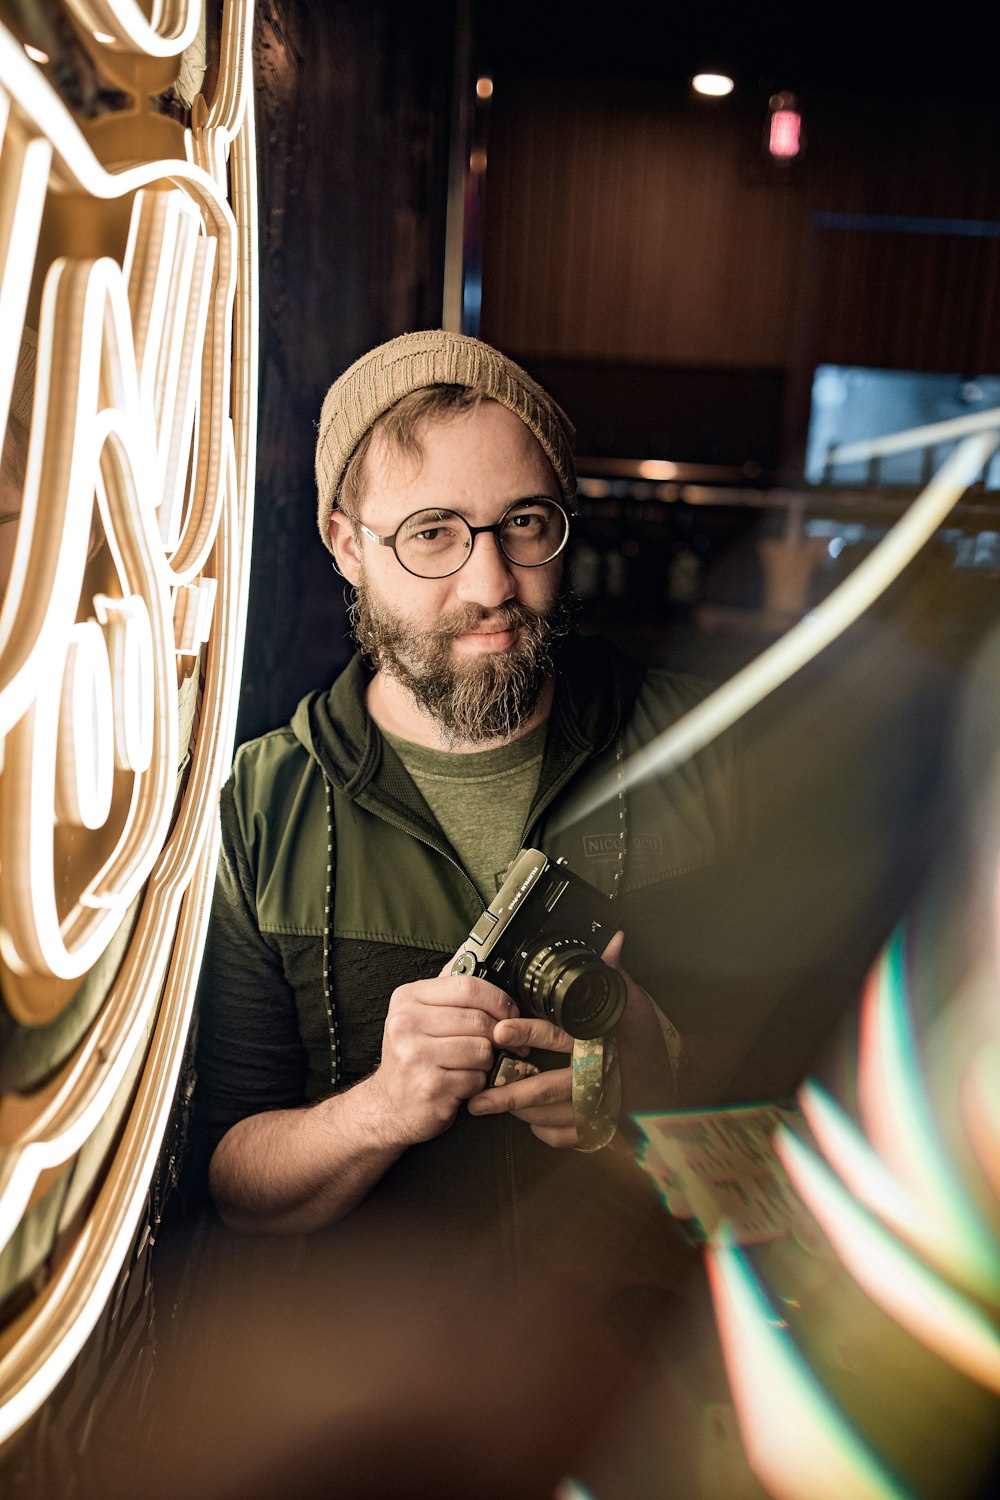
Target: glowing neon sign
x,y
128,574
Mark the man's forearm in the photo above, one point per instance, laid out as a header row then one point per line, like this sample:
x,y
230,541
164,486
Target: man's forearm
x,y
290,1171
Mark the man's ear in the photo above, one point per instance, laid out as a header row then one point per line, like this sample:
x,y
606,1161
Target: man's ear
x,y
345,547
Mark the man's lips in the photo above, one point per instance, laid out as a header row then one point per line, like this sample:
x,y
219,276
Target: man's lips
x,y
489,637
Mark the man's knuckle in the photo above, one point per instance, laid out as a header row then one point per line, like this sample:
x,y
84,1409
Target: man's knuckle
x,y
407,1048
422,1088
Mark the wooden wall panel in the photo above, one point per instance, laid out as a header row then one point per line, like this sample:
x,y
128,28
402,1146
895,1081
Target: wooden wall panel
x,y
620,230
906,301
354,102
641,224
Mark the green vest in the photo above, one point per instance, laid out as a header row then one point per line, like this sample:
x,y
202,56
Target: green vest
x,y
336,878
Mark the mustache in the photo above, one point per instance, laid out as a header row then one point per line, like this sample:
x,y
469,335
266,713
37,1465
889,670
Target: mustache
x,y
507,616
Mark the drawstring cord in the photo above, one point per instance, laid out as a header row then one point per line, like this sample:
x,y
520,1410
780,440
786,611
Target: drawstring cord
x,y
331,860
597,1089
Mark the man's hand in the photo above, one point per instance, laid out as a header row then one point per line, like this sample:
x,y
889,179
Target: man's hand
x,y
545,1102
289,1171
436,1050
649,1071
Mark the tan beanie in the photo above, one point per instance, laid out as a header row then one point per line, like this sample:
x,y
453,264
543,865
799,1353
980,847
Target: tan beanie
x,y
382,377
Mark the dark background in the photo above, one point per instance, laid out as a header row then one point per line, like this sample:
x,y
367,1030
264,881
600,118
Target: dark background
x,y
645,259
641,254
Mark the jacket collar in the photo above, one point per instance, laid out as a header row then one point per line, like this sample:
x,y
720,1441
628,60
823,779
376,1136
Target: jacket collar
x,y
596,688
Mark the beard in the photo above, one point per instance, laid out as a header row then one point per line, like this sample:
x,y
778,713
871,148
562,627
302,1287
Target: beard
x,y
474,701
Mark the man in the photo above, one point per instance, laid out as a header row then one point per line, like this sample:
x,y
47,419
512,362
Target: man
x,y
340,1061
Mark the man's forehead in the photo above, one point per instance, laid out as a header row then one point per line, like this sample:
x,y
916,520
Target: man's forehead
x,y
470,436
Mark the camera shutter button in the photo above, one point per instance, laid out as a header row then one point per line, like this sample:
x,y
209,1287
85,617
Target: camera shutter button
x,y
465,963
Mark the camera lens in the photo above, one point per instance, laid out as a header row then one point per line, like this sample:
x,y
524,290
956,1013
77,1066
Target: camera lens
x,y
567,983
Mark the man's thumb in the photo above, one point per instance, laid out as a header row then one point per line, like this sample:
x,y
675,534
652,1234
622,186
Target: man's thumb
x,y
612,954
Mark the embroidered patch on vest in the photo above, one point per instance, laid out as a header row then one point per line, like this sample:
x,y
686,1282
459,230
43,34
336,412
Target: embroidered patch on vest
x,y
604,846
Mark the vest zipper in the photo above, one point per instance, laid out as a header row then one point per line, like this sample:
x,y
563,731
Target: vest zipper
x,y
513,1240
377,812
546,801
509,1150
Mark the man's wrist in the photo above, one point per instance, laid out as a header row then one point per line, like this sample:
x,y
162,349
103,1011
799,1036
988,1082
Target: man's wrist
x,y
376,1128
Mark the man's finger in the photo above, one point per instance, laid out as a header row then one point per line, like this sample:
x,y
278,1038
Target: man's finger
x,y
552,1116
446,1020
462,1052
526,1031
612,954
563,1137
465,1083
554,1087
462,990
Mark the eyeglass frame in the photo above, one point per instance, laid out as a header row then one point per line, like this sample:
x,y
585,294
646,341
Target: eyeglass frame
x,y
390,539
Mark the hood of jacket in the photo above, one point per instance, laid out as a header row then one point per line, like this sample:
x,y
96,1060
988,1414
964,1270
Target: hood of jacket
x,y
596,689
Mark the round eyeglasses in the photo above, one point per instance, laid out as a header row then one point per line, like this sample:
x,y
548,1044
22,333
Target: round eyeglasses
x,y
435,543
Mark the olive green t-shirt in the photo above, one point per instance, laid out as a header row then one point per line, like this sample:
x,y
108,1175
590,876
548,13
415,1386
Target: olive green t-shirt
x,y
481,799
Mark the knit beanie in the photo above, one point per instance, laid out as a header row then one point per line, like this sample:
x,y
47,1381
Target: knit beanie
x,y
382,377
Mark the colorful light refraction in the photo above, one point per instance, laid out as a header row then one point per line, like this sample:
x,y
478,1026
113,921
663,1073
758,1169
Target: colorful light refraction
x,y
891,1257
800,1444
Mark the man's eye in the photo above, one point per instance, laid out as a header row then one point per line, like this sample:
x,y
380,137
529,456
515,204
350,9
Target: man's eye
x,y
431,530
434,538
526,520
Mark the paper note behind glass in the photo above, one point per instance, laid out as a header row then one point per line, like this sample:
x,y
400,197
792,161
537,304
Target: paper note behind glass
x,y
716,1166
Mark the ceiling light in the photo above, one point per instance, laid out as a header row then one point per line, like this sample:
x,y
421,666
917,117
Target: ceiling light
x,y
484,87
715,85
35,53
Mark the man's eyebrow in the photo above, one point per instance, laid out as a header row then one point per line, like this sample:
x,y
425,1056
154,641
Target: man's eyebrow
x,y
457,510
442,508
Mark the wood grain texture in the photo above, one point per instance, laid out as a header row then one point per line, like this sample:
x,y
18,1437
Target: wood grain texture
x,y
635,222
353,102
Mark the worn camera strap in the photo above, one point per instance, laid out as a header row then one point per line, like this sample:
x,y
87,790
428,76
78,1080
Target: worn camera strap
x,y
597,1093
597,1088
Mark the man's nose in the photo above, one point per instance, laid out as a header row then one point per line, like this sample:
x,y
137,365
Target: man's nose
x,y
487,577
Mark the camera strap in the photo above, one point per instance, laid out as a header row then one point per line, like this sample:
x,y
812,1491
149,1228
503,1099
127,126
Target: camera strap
x,y
597,1092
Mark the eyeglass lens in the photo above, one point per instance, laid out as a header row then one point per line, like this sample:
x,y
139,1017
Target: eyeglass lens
x,y
433,543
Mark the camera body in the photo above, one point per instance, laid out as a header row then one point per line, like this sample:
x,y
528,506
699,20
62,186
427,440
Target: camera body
x,y
541,940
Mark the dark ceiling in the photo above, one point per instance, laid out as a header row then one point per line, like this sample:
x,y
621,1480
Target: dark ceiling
x,y
879,47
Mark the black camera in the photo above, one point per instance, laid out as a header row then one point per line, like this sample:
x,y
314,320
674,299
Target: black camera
x,y
541,940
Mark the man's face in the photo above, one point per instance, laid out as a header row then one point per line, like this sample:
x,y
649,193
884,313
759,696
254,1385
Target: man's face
x,y
472,649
